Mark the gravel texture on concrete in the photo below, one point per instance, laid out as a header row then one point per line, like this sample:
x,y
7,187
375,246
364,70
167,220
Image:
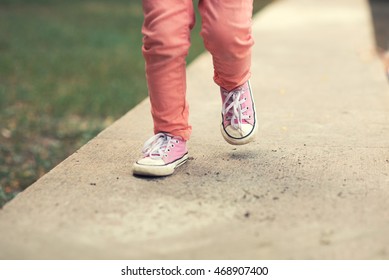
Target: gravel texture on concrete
x,y
315,184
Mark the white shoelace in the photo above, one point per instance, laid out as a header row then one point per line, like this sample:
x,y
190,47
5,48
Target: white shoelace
x,y
235,107
157,146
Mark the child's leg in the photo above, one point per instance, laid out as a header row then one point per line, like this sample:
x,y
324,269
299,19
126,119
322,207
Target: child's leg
x,y
226,30
166,31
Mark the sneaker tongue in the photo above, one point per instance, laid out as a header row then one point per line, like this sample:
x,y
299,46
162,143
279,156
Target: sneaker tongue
x,y
157,153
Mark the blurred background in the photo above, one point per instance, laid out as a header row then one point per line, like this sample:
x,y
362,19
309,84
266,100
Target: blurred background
x,y
68,69
380,19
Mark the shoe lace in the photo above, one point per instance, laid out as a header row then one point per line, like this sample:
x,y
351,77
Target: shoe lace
x,y
232,105
157,146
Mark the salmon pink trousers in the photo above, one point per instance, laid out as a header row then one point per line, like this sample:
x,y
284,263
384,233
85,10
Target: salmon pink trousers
x,y
226,31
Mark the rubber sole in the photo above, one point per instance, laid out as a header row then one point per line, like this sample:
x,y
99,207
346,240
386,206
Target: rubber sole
x,y
158,170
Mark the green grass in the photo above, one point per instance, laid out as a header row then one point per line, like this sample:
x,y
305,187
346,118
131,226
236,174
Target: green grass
x,y
68,69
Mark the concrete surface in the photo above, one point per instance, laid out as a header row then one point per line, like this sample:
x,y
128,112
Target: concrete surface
x,y
315,185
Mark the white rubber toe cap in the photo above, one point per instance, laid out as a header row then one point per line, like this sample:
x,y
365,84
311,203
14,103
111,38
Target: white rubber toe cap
x,y
151,162
239,133
239,137
157,167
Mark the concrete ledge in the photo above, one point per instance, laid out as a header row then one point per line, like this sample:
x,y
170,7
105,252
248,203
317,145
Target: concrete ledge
x,y
314,185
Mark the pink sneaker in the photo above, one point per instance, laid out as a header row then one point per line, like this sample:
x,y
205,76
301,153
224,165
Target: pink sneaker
x,y
162,153
239,124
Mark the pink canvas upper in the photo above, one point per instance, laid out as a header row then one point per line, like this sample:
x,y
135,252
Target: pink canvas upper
x,y
166,147
244,105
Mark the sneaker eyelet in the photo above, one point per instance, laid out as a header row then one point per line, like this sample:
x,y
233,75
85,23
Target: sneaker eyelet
x,y
177,141
168,150
172,145
165,155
